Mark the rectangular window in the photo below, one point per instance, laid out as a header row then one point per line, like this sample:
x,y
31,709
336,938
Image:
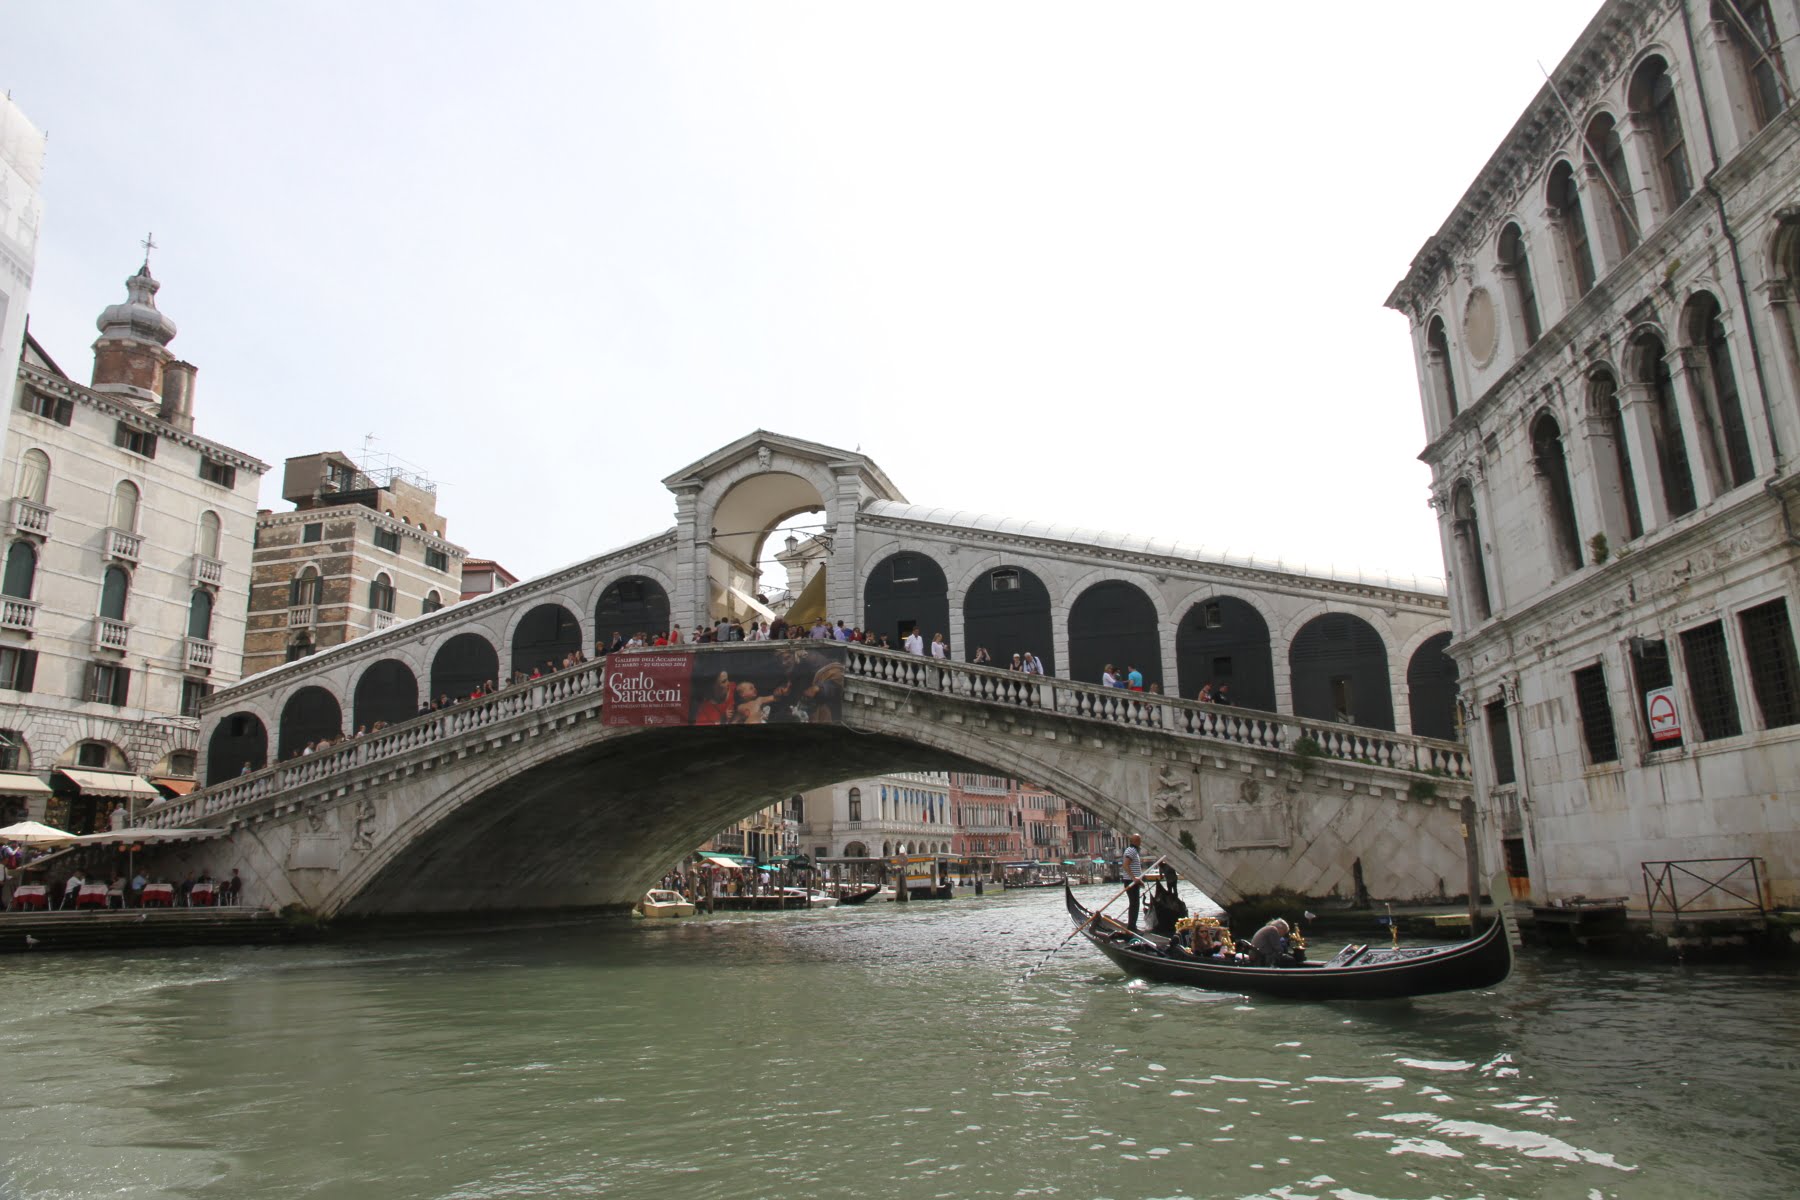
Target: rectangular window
x,y
1709,680
387,539
18,669
56,408
1004,580
437,560
138,441
1221,671
1595,706
1212,615
193,691
108,683
1499,729
1774,673
1650,669
312,532
10,741
214,471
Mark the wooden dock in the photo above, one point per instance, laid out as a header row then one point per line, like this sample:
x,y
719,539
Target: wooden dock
x,y
135,929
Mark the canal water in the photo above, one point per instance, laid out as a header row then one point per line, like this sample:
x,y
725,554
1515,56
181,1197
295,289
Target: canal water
x,y
889,1051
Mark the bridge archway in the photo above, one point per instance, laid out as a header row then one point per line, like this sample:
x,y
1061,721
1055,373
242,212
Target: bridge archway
x,y
907,589
1339,669
387,691
1007,610
1225,640
461,665
544,637
1113,621
238,741
753,499
632,605
309,714
1431,685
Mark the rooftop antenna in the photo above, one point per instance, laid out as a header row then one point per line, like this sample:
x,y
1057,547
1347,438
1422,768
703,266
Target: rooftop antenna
x,y
149,244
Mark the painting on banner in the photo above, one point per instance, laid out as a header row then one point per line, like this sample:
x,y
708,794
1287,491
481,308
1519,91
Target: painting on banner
x,y
786,683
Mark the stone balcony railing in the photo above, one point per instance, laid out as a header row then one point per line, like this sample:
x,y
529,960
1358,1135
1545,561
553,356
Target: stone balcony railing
x,y
28,516
379,620
198,654
208,572
18,614
111,635
302,616
566,692
124,545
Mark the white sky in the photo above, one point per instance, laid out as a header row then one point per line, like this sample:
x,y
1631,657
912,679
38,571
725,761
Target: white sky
x,y
1113,265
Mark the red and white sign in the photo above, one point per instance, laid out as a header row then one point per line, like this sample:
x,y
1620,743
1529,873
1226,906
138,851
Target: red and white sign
x,y
646,689
1665,715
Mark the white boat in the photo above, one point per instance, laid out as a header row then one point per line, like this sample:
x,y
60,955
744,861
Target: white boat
x,y
813,899
660,903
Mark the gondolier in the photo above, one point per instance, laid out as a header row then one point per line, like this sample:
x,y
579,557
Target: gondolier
x,y
1134,878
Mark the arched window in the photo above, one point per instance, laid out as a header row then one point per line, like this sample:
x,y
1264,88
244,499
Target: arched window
x,y
1652,372
1705,328
1754,51
115,586
1465,531
21,570
1521,292
209,534
1606,151
34,476
200,610
1552,468
1612,461
1653,102
305,588
432,602
1565,200
1437,361
855,798
381,593
125,506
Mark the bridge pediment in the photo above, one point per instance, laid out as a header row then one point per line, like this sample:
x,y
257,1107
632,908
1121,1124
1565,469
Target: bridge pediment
x,y
761,451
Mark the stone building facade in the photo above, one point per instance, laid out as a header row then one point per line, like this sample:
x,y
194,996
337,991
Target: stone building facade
x,y
21,216
1609,358
360,551
127,557
904,813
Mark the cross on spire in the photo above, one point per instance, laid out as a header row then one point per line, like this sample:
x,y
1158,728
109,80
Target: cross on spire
x,y
149,244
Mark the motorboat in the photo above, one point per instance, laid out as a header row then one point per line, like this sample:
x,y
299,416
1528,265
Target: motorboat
x,y
660,902
1354,973
813,899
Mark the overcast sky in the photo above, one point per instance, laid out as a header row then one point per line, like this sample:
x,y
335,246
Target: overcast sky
x,y
1113,265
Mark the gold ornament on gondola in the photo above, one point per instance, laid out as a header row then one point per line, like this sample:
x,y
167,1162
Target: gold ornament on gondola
x,y
1215,933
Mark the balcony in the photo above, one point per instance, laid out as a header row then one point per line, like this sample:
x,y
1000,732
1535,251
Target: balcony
x,y
124,545
199,654
208,572
303,616
379,620
28,516
110,634
18,614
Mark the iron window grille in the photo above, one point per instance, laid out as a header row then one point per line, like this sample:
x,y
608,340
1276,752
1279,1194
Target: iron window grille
x,y
1499,727
1650,669
1708,665
1774,673
1595,706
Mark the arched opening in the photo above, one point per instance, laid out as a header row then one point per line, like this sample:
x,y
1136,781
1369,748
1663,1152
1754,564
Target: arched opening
x,y
1612,459
1655,106
907,591
1431,689
1114,622
856,850
1471,556
381,593
210,531
1652,373
544,637
115,588
21,570
238,744
1225,641
1519,286
125,506
462,664
200,614
742,522
432,602
1006,611
388,692
34,476
1606,152
1564,196
1340,672
1437,360
1552,469
1710,347
310,714
1753,55
629,606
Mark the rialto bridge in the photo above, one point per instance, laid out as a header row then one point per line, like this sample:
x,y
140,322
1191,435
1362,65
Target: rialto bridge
x,y
535,797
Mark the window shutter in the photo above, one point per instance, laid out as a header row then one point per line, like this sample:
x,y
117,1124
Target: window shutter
x,y
27,670
121,689
90,691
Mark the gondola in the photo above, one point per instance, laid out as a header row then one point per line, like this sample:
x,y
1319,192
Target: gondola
x,y
1355,973
848,894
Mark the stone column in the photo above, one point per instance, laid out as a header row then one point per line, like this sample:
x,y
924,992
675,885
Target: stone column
x,y
843,590
1699,424
1637,411
1785,321
693,550
1639,144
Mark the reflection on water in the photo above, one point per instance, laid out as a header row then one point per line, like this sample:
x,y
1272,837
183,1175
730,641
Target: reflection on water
x,y
885,1051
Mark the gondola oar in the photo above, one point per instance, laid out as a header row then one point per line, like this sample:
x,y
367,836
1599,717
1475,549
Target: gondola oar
x,y
1092,917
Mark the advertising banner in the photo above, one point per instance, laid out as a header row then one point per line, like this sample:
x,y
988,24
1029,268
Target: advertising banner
x,y
643,688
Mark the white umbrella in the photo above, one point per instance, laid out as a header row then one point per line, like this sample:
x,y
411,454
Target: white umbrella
x,y
35,833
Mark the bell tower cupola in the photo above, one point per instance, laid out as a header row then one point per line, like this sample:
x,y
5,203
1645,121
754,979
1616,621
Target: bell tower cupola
x,y
133,348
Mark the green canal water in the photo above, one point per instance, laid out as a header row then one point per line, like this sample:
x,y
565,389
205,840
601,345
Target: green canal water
x,y
889,1051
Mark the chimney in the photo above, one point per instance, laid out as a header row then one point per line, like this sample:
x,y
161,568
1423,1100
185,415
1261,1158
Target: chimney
x,y
178,394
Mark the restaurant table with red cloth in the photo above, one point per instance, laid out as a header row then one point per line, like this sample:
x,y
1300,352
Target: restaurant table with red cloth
x,y
200,894
31,895
91,895
159,895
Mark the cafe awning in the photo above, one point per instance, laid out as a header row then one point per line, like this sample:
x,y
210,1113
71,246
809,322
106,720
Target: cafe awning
x,y
174,785
21,783
110,785
719,860
147,837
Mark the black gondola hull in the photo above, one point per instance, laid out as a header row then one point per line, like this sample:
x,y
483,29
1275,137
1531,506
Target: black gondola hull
x,y
1479,963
